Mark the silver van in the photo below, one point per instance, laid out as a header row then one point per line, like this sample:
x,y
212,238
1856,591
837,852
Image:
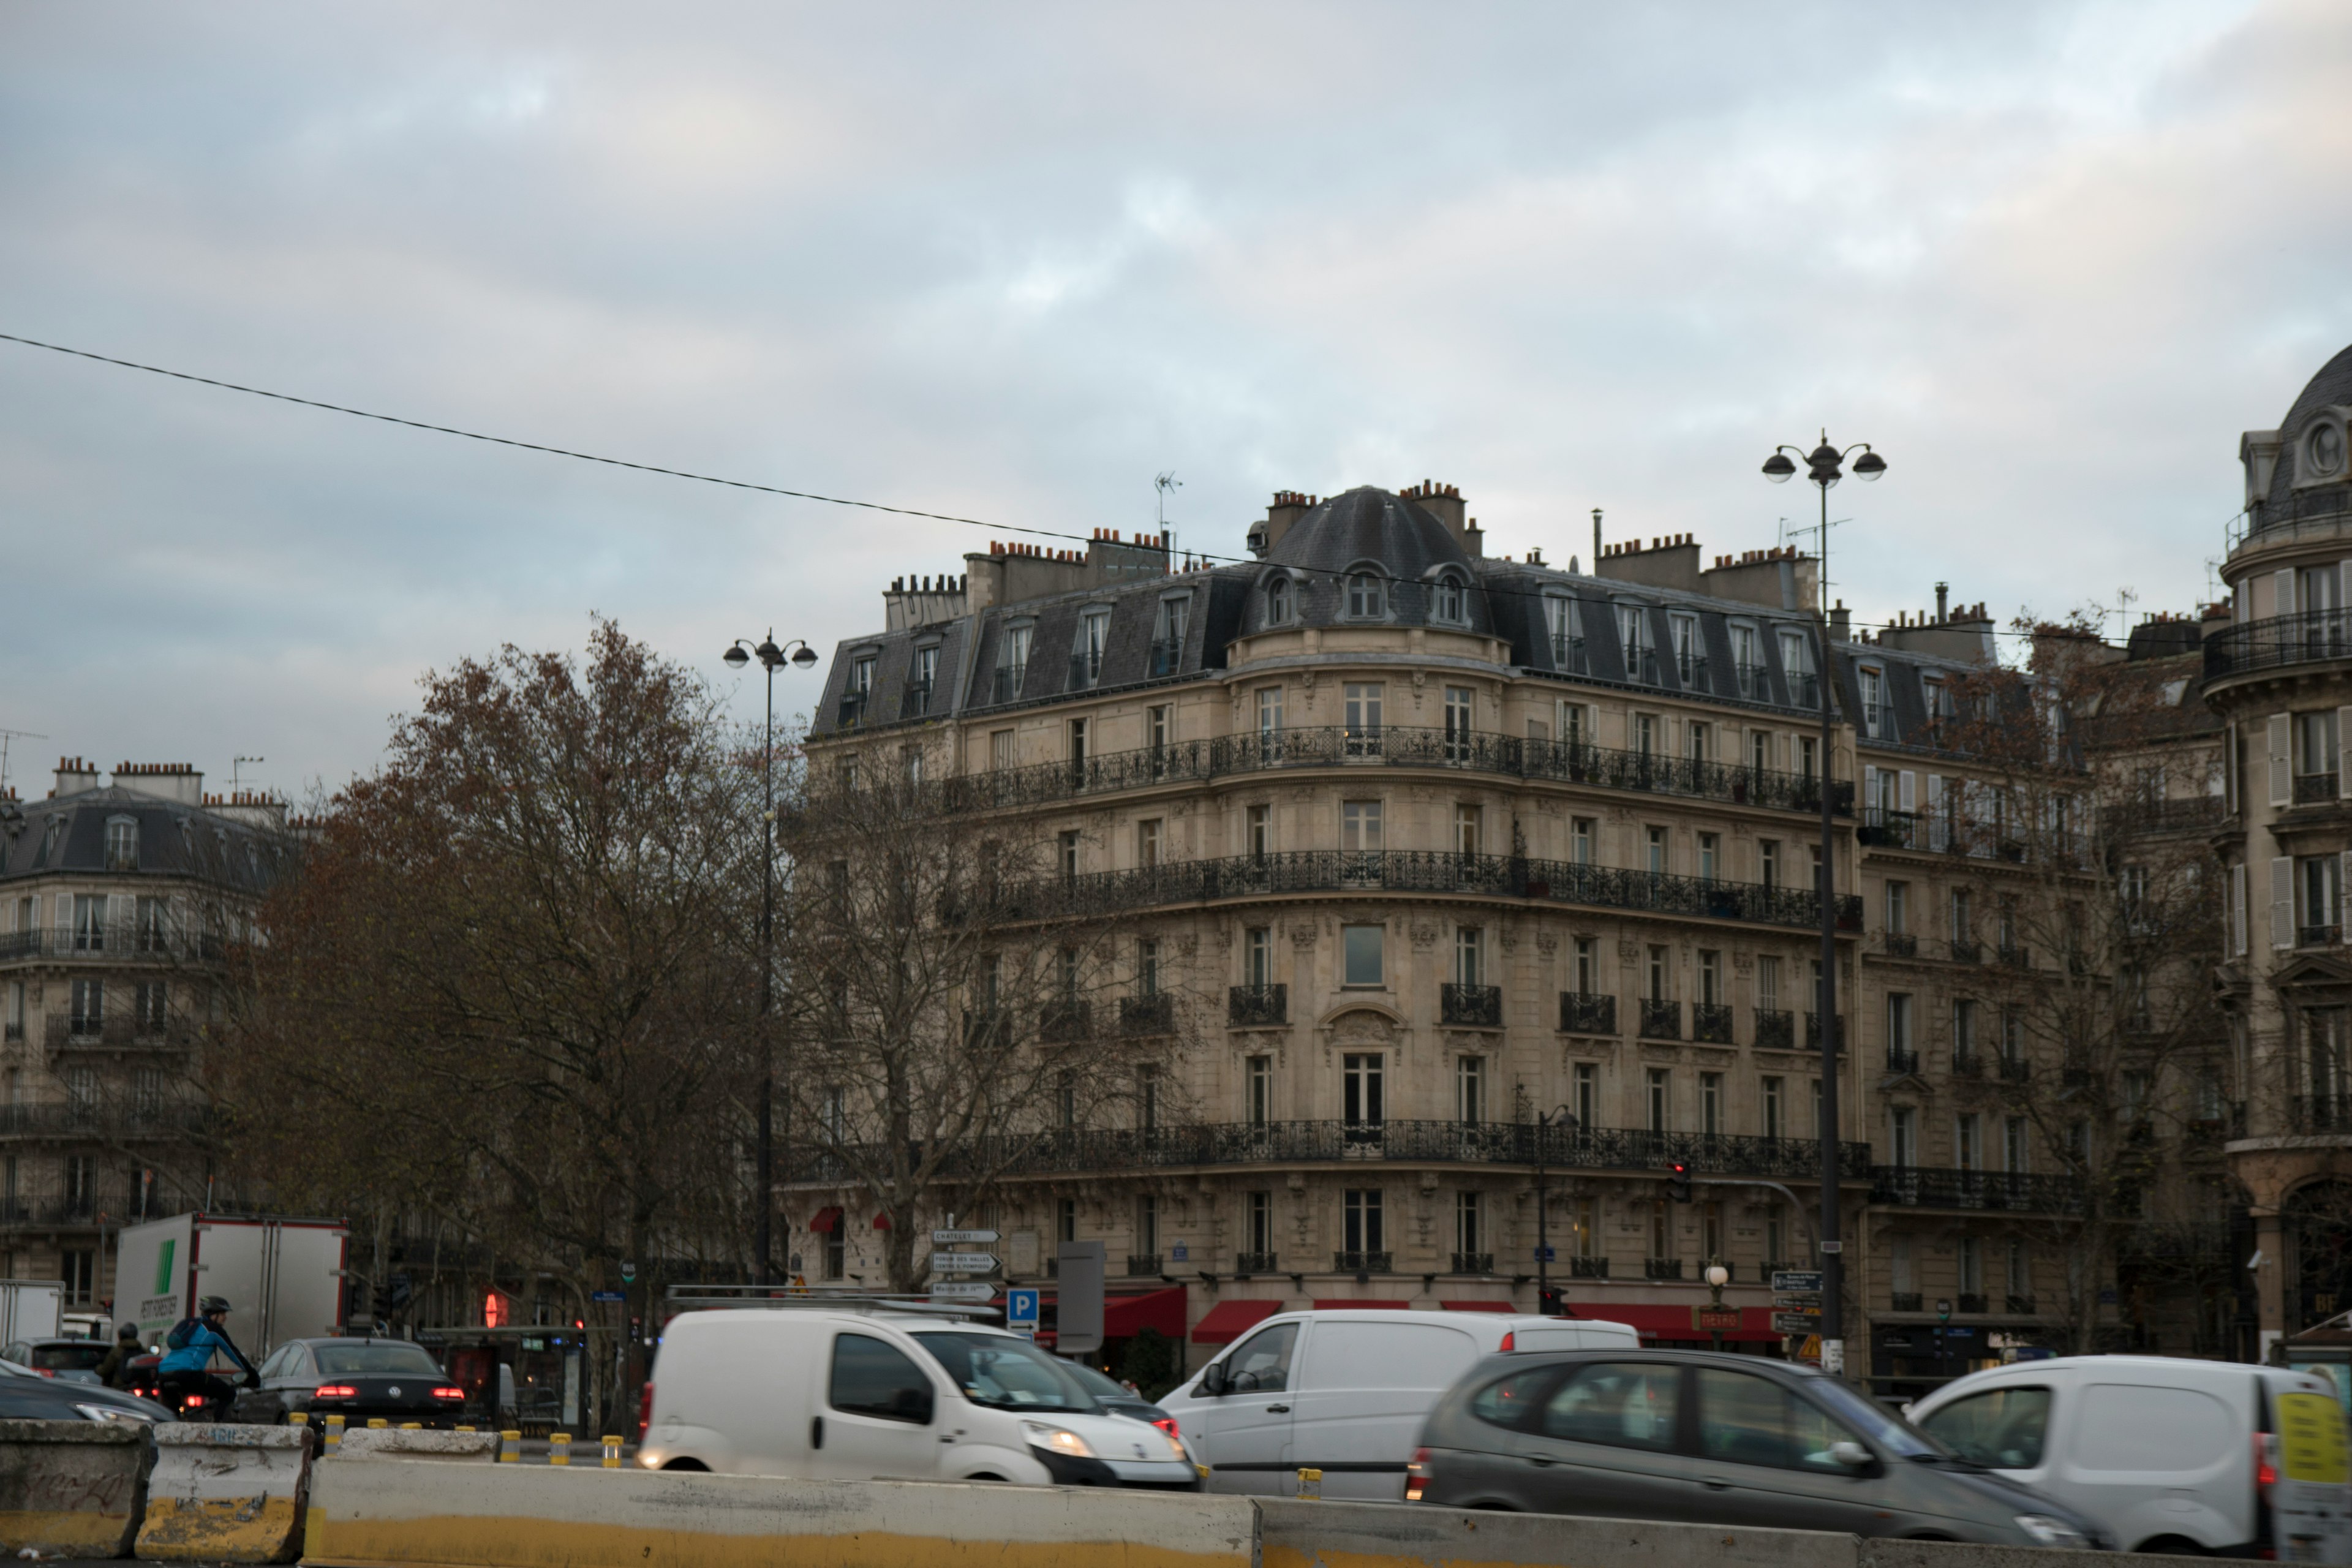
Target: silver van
x,y
1701,1439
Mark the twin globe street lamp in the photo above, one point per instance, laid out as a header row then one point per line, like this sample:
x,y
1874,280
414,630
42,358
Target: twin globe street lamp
x,y
1824,466
772,658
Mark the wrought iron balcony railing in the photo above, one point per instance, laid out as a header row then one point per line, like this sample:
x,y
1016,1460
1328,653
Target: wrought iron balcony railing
x,y
1006,687
1901,944
115,942
2014,1069
1776,1029
2016,1303
1901,1061
1581,1267
1946,1187
2312,636
1968,1301
853,710
1662,1268
1070,1149
1400,746
1966,952
1755,682
1661,1020
1966,1063
1472,1006
105,1119
1062,1022
2322,1112
1154,1014
1085,668
916,703
1258,1006
1098,893
1813,1034
2318,936
1143,1264
1165,658
2187,814
1360,1263
1473,1262
2310,789
1588,1013
1249,1263
1904,1301
1568,655
1711,1023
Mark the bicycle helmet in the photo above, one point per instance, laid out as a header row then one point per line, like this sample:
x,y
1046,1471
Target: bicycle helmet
x,y
211,1304
126,1331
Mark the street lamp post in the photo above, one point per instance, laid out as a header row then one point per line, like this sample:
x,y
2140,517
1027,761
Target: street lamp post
x,y
1824,466
1558,1116
1718,1277
772,658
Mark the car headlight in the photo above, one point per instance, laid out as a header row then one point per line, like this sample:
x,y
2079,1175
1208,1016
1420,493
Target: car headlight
x,y
114,1413
2048,1531
1059,1439
1176,1449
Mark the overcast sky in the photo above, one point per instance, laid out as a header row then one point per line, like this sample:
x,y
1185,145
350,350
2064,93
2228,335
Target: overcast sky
x,y
1012,261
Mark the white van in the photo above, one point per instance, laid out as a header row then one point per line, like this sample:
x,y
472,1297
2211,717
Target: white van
x,y
837,1392
2166,1455
1345,1392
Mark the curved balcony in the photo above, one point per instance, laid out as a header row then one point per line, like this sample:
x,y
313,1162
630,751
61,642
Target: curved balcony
x,y
1348,871
1399,746
2312,636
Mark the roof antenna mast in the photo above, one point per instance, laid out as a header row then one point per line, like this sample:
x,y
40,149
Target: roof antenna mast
x,y
6,736
234,788
1596,542
1163,484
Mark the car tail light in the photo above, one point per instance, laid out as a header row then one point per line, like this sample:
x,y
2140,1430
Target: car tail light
x,y
336,1391
645,1410
45,1372
1511,1340
448,1393
2265,1465
1168,1423
1416,1475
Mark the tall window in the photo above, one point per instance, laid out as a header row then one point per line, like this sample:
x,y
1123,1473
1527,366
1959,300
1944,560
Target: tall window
x,y
1645,734
1257,957
1469,955
1768,984
1258,1224
1709,856
1654,851
1964,1028
88,1014
1452,605
1584,1096
1360,1100
1768,863
1065,1220
90,923
151,1005
1588,965
1277,602
1261,1096
1159,725
1567,641
1066,844
1360,703
1364,598
1470,1090
1147,1099
1874,718
1759,750
1710,978
1710,1103
1361,948
1175,616
1968,1145
1094,634
1776,1110
1000,749
1898,1027
1699,742
1659,973
1148,833
1633,636
1903,1123
122,844
1146,967
1660,1085
1257,835
1972,1267
1581,830
1012,660
1361,1229
2013,1144
1359,826
1469,1232
1898,908
1458,708
1465,830
1269,716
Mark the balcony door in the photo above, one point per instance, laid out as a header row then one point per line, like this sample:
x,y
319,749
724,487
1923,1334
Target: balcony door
x,y
1363,1100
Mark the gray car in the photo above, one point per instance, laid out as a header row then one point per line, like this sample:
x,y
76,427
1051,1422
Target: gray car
x,y
1711,1439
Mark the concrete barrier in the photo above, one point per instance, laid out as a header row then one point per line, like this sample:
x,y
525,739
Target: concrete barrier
x,y
383,1511
71,1487
410,1442
226,1494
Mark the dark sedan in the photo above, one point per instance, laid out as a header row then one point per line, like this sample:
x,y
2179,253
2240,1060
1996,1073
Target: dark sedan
x,y
359,1380
1711,1439
26,1396
1120,1400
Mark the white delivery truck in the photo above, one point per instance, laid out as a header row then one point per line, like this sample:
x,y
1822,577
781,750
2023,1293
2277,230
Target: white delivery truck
x,y
283,1278
31,1310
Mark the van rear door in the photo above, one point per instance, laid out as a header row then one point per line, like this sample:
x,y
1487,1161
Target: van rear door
x,y
2150,1460
1363,1393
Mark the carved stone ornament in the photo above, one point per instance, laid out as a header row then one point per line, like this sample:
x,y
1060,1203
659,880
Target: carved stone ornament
x,y
1628,950
1362,1027
1425,935
1547,941
1302,935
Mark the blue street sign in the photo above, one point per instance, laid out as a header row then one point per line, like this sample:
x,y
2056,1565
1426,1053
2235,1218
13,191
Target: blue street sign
x,y
1020,1307
1546,1255
606,1296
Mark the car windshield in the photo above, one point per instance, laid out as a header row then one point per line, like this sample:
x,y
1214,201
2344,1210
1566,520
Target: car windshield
x,y
359,1361
77,1356
1875,1422
1100,1384
1007,1373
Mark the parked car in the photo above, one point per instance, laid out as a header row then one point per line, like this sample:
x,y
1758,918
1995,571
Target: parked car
x,y
2166,1455
833,1391
1118,1398
1346,1391
29,1395
1703,1438
357,1379
76,1361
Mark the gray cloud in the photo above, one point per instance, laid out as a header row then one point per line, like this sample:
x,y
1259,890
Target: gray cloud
x,y
2051,258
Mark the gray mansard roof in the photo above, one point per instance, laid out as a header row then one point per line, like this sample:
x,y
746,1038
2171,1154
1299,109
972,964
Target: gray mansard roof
x,y
2332,388
68,834
1411,550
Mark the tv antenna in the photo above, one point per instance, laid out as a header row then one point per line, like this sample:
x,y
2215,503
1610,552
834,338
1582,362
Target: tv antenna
x,y
6,736
235,787
1163,484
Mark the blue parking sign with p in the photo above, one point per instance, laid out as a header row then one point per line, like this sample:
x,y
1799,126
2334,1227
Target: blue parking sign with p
x,y
1021,1312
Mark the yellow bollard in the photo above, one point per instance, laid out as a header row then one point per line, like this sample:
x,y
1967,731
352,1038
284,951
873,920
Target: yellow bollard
x,y
412,1425
559,1447
1310,1485
377,1422
612,1453
465,1429
510,1447
298,1418
334,1433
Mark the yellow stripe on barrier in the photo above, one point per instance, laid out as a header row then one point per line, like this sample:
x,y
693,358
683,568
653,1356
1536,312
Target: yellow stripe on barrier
x,y
66,1533
218,1530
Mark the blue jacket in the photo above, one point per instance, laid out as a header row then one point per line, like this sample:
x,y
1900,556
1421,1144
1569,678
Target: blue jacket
x,y
197,1354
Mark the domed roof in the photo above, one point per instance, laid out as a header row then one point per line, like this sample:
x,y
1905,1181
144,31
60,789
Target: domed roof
x,y
1368,524
2332,388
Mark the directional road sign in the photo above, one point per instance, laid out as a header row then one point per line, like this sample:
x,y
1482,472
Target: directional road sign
x,y
964,1262
1799,1301
961,1290
1793,1279
1796,1324
962,1237
607,1296
1021,1310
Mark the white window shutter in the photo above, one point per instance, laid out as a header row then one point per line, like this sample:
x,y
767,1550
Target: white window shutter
x,y
2343,733
1869,791
2281,763
1938,837
2283,592
1908,798
2238,911
2283,902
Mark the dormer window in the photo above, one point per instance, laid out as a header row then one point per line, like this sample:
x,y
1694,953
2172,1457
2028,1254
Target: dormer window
x,y
1453,601
1365,601
1277,602
1085,661
122,844
2323,450
1877,722
1634,637
1012,660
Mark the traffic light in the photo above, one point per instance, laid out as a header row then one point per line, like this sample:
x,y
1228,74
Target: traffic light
x,y
1678,1182
1551,1302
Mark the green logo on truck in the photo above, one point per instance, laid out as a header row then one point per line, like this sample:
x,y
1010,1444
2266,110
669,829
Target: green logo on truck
x,y
163,1266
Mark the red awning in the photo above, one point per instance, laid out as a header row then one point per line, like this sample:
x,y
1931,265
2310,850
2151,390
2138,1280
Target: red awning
x,y
1479,1306
826,1219
1161,1310
1340,1303
881,1221
1229,1321
1654,1320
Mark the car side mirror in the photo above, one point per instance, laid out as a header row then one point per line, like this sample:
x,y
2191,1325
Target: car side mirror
x,y
1852,1456
1212,1379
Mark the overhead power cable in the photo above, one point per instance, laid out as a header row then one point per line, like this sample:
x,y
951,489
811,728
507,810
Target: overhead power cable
x,y
1202,555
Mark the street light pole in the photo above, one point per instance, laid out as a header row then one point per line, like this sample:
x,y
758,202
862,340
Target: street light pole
x,y
1824,466
771,658
1558,1116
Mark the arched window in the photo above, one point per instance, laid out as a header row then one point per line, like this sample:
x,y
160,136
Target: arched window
x,y
1452,600
1277,602
1363,596
2323,450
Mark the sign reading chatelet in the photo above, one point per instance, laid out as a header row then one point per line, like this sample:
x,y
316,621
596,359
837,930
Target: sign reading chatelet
x,y
962,1237
964,1262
